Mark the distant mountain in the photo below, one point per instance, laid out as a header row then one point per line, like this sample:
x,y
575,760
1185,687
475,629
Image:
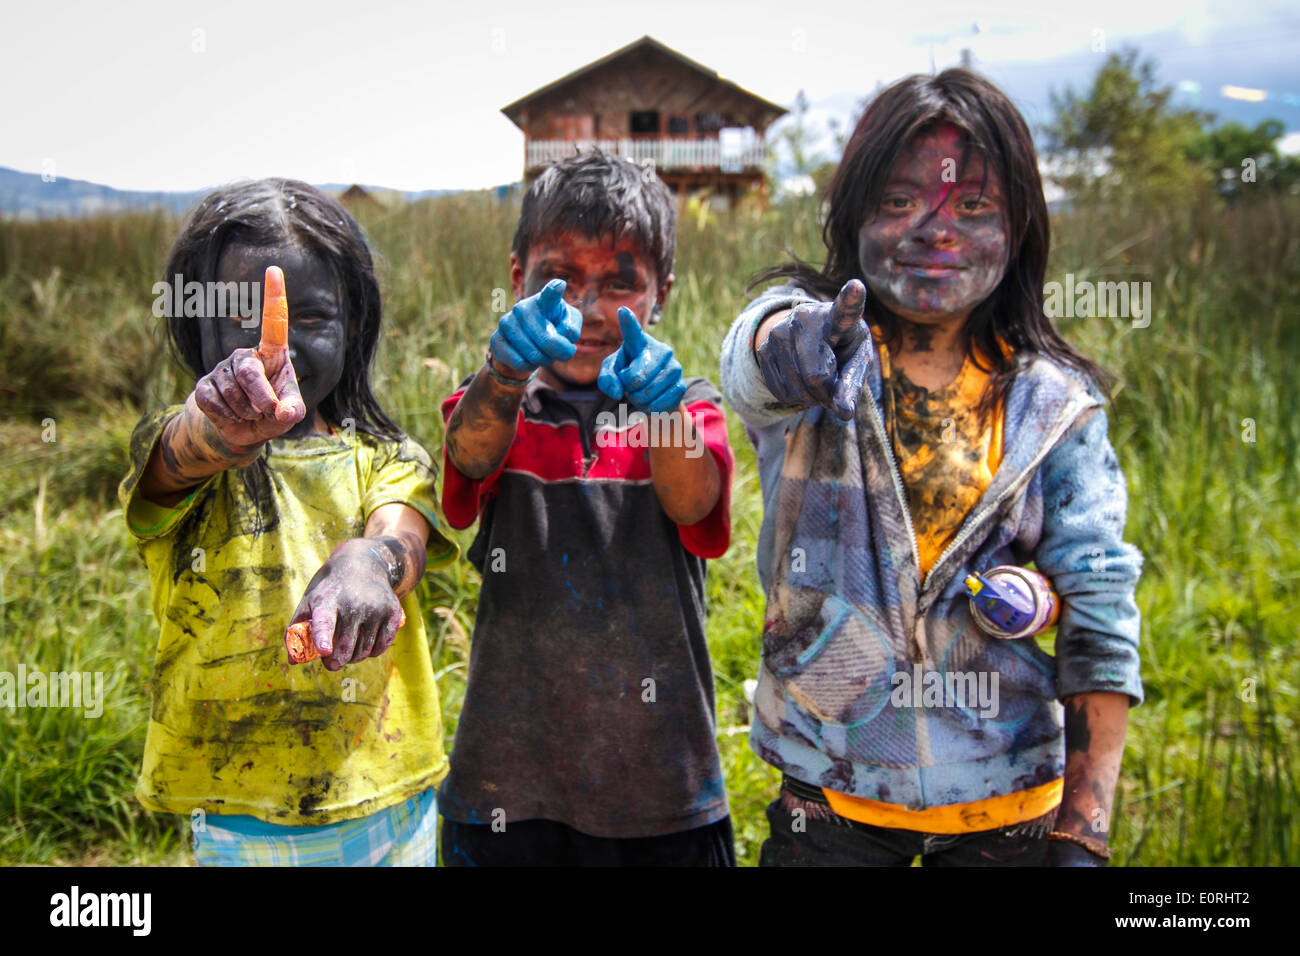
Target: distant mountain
x,y
29,196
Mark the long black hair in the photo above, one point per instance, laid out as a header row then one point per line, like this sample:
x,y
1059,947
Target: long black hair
x,y
268,212
995,130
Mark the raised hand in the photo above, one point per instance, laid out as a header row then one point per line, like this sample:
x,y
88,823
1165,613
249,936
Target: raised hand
x,y
644,369
820,353
252,394
539,330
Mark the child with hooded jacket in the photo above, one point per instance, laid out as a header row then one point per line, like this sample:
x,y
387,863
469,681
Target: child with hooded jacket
x,y
918,418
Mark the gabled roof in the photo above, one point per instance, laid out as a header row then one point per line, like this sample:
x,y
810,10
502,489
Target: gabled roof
x,y
513,110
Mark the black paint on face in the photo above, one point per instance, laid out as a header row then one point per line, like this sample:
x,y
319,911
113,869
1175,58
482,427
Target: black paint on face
x,y
937,246
600,278
317,324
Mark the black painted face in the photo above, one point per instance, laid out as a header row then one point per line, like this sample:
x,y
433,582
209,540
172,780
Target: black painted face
x,y
317,324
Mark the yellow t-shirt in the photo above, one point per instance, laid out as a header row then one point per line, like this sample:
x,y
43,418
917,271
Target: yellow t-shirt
x,y
234,729
947,459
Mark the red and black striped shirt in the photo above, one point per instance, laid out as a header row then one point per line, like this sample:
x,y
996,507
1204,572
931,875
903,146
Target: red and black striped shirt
x,y
590,693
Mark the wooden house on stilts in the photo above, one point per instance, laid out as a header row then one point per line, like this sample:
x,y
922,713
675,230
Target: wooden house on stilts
x,y
656,107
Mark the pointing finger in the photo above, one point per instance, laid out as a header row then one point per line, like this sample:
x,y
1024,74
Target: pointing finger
x,y
847,310
543,334
633,334
275,316
550,297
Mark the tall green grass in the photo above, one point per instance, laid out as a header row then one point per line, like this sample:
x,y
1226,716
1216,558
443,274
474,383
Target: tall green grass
x,y
1210,771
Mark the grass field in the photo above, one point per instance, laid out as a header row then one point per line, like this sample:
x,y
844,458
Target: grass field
x,y
1206,422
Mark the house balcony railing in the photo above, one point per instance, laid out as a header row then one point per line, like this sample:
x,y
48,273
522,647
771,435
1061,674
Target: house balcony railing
x,y
728,155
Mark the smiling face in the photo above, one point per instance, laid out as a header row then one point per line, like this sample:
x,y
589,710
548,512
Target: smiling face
x,y
317,324
600,278
936,248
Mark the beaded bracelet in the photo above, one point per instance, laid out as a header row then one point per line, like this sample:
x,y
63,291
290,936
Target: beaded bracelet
x,y
1095,847
506,380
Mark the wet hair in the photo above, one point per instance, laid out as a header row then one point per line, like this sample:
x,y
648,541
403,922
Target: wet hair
x,y
268,212
996,131
600,195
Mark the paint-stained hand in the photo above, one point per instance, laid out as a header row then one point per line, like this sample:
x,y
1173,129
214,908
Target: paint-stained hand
x,y
820,353
539,330
643,369
252,394
350,602
1061,853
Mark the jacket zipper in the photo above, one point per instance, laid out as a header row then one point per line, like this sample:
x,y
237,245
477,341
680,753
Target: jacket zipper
x,y
970,527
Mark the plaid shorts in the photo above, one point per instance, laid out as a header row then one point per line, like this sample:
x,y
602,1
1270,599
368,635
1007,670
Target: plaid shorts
x,y
402,835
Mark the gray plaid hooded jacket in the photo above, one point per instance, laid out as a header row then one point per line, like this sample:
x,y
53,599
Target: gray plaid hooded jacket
x,y
848,611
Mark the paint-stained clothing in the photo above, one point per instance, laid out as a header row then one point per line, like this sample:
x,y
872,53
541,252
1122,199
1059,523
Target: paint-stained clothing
x,y
946,455
234,728
848,607
590,694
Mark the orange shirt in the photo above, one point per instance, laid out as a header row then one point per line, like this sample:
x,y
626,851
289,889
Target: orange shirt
x,y
947,459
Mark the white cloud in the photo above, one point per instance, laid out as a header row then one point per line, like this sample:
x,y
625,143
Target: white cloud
x,y
408,94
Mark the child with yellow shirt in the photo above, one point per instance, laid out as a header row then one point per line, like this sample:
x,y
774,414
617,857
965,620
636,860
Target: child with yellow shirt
x,y
281,492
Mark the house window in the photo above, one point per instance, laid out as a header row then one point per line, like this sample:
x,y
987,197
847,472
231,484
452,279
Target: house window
x,y
644,121
678,125
709,122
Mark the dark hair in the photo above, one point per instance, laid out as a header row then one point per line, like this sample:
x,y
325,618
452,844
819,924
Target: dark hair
x,y
599,195
271,211
995,129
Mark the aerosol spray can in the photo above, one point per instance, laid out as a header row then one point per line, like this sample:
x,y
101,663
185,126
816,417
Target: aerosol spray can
x,y
1012,602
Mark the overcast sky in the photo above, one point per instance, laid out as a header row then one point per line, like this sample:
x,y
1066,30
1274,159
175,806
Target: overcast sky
x,y
173,95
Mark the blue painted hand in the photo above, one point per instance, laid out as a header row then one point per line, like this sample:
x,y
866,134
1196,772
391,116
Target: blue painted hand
x,y
820,353
643,369
539,330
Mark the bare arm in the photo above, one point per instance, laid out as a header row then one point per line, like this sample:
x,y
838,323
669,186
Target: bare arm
x,y
403,533
688,485
188,451
483,424
1095,726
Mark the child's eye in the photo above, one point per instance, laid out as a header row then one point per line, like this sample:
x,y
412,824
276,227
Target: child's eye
x,y
896,202
977,204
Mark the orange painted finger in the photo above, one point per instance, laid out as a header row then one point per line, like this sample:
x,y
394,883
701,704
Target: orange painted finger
x,y
275,314
298,642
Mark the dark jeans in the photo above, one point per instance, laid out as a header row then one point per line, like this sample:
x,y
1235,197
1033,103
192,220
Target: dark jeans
x,y
821,837
547,843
